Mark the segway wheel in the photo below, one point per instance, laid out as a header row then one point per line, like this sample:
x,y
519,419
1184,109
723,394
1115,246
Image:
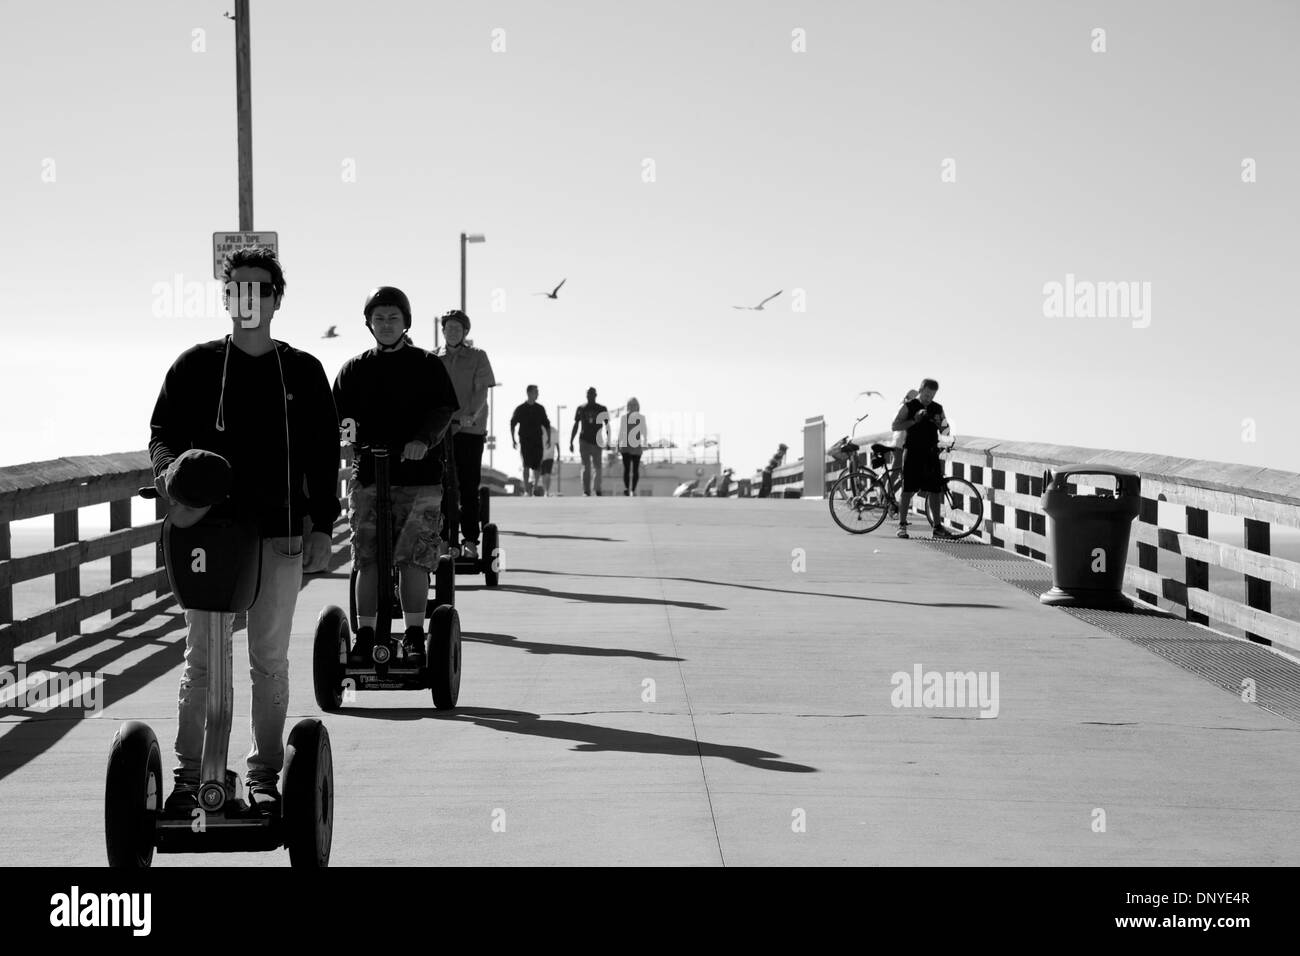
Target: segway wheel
x,y
491,556
329,656
352,598
132,796
444,581
484,496
443,657
308,797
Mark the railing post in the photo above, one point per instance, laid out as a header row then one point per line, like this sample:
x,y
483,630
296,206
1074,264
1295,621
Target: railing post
x,y
1259,593
998,513
1198,572
1023,517
119,519
6,598
1149,554
1037,522
67,584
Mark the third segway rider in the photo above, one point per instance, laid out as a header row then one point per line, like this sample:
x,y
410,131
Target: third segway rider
x,y
400,397
471,374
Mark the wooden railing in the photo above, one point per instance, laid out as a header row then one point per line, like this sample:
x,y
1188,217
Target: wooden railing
x,y
1010,478
61,488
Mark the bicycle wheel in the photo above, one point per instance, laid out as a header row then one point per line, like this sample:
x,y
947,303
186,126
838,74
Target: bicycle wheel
x,y
858,503
963,507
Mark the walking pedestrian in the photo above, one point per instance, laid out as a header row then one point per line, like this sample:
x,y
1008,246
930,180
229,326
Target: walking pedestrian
x,y
590,418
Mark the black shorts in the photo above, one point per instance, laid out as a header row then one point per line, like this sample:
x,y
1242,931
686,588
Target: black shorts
x,y
546,465
532,456
922,471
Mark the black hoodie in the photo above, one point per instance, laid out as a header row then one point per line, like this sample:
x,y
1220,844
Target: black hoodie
x,y
193,403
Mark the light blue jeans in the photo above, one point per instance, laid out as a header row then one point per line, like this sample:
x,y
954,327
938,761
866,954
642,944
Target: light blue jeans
x,y
270,620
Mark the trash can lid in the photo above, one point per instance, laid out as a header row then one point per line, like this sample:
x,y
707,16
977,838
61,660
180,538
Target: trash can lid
x,y
1058,479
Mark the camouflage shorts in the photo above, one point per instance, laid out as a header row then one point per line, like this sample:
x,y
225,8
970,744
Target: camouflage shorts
x,y
417,514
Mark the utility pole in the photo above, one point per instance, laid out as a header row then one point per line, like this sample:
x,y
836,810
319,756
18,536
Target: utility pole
x,y
244,103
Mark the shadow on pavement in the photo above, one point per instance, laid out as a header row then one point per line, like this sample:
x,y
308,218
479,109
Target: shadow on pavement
x,y
36,731
592,738
564,537
40,730
538,647
604,598
748,587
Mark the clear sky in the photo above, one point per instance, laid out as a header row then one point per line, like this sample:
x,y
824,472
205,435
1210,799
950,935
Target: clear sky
x,y
774,169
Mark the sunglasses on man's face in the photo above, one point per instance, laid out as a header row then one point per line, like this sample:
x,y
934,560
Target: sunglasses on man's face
x,y
265,290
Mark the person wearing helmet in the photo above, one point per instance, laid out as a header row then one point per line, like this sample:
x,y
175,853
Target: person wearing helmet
x,y
471,374
399,397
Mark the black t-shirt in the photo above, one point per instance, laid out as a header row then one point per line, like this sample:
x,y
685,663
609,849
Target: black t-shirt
x,y
531,419
394,398
592,417
924,434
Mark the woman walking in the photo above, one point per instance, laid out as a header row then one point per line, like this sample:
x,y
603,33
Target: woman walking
x,y
631,442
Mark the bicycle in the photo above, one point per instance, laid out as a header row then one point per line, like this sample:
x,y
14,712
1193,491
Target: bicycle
x,y
861,500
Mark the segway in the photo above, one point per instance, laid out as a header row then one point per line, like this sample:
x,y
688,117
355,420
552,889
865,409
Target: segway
x,y
214,567
488,562
335,676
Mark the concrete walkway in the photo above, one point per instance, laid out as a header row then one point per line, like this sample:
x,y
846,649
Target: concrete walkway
x,y
769,639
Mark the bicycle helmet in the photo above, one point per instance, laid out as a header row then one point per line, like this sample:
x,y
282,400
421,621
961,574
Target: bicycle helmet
x,y
392,296
387,295
456,314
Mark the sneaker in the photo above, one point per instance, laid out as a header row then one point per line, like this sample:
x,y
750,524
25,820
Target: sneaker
x,y
943,533
469,550
365,641
264,796
413,646
184,798
902,531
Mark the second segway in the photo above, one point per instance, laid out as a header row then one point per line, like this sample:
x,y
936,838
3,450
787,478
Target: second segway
x,y
337,676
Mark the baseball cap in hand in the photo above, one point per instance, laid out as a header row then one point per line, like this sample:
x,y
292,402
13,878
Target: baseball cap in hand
x,y
198,478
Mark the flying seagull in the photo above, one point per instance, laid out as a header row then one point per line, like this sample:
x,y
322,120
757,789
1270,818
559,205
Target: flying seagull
x,y
330,333
759,307
555,294
870,391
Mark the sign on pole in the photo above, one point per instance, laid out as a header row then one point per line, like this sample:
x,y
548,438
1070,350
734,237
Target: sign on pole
x,y
224,243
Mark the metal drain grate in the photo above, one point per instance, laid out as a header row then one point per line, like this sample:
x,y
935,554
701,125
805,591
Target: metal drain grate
x,y
1224,661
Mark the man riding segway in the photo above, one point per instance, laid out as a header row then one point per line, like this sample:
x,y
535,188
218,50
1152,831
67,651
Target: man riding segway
x,y
399,398
266,409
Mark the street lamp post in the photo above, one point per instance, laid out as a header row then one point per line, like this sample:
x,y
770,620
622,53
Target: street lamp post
x,y
464,239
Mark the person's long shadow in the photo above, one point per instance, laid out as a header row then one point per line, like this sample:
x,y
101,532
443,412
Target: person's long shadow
x,y
753,587
565,537
600,598
592,738
539,647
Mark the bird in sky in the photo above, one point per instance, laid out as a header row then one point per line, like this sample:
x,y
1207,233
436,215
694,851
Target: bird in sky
x,y
759,307
330,333
554,294
870,391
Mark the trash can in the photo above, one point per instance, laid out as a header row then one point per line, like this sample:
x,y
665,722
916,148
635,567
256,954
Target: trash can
x,y
1088,535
